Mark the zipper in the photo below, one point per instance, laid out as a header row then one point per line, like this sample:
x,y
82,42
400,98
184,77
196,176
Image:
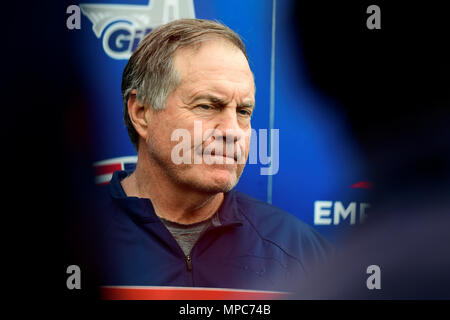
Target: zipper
x,y
188,263
188,257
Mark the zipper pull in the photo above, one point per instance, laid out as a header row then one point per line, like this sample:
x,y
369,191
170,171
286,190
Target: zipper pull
x,y
189,263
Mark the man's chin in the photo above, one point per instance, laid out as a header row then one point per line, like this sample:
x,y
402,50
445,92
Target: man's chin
x,y
215,182
218,184
208,179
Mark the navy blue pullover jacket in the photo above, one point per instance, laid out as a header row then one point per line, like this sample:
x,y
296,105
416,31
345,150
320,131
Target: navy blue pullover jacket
x,y
257,246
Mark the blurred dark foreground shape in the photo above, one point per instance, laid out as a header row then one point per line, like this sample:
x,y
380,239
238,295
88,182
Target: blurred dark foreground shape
x,y
393,87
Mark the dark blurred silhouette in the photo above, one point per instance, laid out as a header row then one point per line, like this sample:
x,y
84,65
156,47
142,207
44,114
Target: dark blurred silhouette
x,y
46,152
393,87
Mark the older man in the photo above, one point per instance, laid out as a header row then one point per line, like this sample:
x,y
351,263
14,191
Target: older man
x,y
180,223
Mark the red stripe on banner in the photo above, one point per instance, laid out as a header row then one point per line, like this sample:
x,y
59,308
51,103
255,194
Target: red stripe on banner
x,y
107,168
126,293
362,185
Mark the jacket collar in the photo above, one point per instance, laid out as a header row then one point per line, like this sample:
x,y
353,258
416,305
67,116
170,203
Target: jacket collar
x,y
141,209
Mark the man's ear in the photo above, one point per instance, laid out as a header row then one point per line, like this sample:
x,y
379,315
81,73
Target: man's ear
x,y
138,115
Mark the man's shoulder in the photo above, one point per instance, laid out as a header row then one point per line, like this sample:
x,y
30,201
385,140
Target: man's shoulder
x,y
283,229
109,194
104,205
264,216
108,205
103,195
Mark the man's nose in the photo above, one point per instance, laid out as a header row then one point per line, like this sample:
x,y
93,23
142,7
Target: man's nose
x,y
228,124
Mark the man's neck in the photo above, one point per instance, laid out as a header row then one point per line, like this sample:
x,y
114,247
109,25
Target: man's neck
x,y
170,200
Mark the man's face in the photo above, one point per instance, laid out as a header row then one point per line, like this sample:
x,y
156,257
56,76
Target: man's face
x,y
216,94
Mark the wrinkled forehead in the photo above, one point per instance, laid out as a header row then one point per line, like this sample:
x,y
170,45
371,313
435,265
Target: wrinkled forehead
x,y
211,60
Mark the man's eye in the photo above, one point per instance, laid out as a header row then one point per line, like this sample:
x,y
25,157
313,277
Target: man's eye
x,y
244,112
205,107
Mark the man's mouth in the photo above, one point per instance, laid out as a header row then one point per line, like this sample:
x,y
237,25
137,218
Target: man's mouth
x,y
221,154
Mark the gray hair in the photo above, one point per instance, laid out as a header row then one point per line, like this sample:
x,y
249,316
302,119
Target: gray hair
x,y
150,69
